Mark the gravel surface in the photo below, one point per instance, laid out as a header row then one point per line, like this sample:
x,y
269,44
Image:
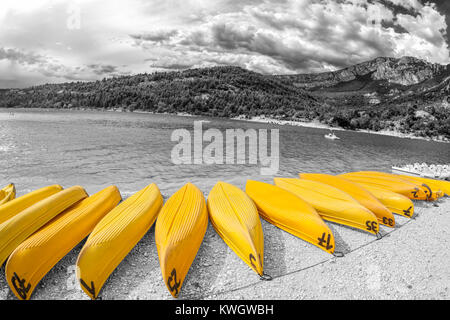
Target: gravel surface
x,y
411,262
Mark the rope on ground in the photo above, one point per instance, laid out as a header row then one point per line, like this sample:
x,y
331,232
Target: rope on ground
x,y
254,284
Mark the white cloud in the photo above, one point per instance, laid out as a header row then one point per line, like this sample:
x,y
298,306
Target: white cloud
x,y
305,36
277,36
301,36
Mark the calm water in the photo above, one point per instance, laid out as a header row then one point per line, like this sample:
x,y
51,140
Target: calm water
x,y
130,150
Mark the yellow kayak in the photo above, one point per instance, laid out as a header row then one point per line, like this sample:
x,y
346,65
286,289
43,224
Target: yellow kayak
x,y
435,188
8,193
17,229
442,185
434,191
291,214
427,190
332,204
114,237
364,197
235,218
179,232
13,207
37,255
410,190
397,203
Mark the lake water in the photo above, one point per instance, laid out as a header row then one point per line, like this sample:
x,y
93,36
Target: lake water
x,y
97,149
131,150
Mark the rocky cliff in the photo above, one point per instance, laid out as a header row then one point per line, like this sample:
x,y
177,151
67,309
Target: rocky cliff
x,y
405,71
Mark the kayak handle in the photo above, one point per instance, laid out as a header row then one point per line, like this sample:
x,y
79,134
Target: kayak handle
x,y
338,254
265,277
379,236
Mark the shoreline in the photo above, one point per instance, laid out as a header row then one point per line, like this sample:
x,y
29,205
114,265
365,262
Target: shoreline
x,y
259,119
370,269
318,125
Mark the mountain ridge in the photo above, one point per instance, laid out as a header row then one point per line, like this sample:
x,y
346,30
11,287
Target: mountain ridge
x,y
405,94
395,70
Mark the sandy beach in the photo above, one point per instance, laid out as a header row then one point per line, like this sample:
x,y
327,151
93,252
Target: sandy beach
x,y
409,262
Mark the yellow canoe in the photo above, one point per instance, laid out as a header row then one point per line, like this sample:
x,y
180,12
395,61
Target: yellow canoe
x,y
37,255
364,197
397,203
427,190
410,190
13,207
8,193
235,218
331,203
434,191
435,188
290,213
440,184
17,229
179,232
114,237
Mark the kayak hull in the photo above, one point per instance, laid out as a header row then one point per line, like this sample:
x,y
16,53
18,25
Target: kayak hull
x,y
235,218
331,203
15,230
444,186
179,232
410,190
291,214
8,193
429,194
114,237
395,202
37,255
17,205
364,197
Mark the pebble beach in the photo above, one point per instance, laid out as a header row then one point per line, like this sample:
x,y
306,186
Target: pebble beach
x,y
410,262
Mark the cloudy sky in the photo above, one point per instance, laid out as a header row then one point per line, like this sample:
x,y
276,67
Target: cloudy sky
x,y
67,40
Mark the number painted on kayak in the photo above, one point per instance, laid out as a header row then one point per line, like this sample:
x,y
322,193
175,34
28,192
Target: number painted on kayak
x,y
176,284
372,226
407,212
90,289
325,242
429,190
415,192
388,221
20,286
252,258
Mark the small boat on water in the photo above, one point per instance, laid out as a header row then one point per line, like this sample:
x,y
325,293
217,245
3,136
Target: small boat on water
x,y
332,136
424,170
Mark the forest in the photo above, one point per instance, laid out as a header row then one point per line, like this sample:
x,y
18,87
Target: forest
x,y
232,91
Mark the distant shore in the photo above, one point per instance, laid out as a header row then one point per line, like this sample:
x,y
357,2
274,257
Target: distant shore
x,y
318,125
261,119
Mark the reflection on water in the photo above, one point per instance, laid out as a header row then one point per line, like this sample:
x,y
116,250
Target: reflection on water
x,y
130,150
